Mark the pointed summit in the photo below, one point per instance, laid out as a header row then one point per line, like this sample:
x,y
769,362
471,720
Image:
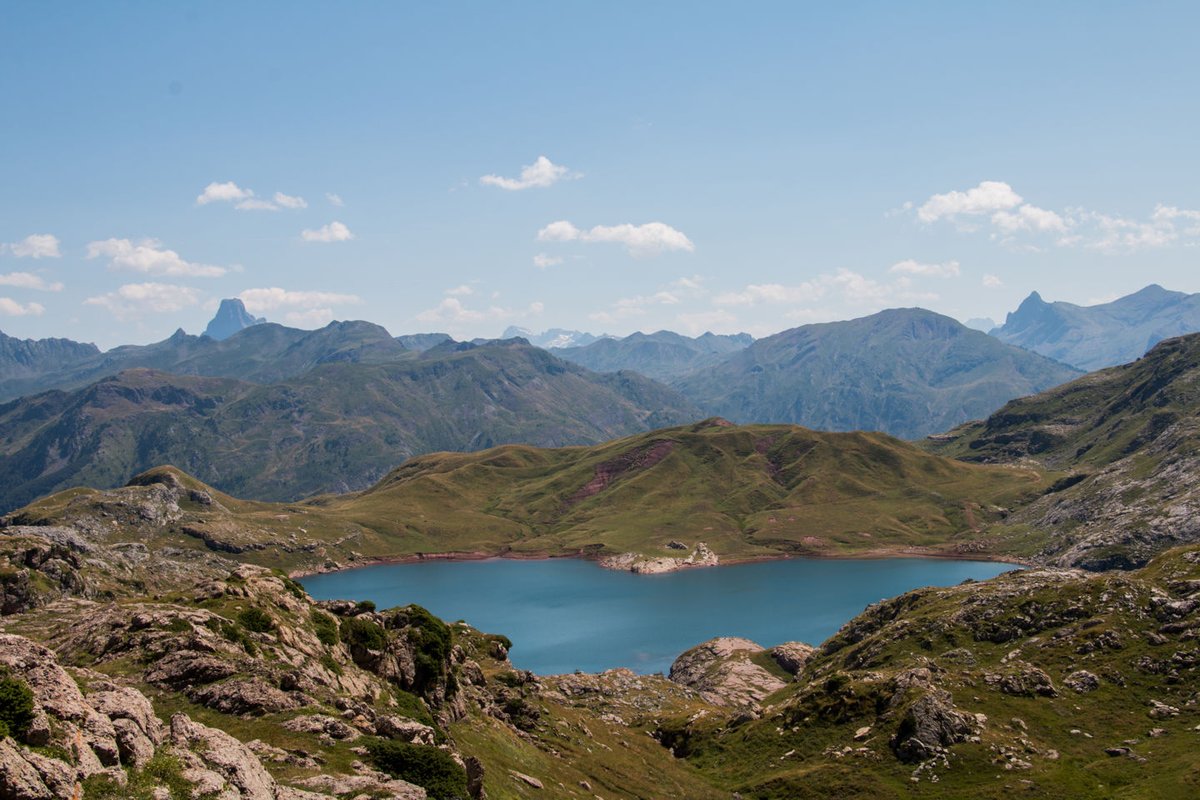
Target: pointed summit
x,y
231,317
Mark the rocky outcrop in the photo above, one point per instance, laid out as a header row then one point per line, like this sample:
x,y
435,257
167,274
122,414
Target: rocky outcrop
x,y
701,556
722,671
792,656
930,725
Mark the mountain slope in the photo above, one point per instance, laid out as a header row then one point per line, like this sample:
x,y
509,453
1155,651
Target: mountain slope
x,y
907,372
339,426
1093,337
663,355
1130,437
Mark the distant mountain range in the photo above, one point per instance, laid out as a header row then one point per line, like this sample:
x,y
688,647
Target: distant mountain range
x,y
338,426
553,338
908,372
663,355
1093,337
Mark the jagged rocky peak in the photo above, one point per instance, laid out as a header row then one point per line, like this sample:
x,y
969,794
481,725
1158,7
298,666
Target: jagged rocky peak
x,y
231,317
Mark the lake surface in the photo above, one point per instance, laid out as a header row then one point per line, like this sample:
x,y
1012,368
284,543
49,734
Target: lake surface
x,y
567,614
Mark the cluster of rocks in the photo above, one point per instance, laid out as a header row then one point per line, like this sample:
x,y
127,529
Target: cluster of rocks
x,y
701,556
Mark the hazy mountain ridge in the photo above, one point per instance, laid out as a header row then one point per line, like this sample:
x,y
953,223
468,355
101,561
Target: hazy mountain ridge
x,y
663,355
335,427
22,359
907,372
1094,337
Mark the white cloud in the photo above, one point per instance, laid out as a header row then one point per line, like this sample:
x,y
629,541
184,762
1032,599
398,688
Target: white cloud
x,y
333,232
851,287
149,257
261,300
309,318
560,231
543,260
1029,218
222,193
28,280
12,308
992,282
703,321
986,198
460,291
452,311
335,199
1010,217
132,299
37,245
255,204
756,293
646,239
948,269
539,174
290,201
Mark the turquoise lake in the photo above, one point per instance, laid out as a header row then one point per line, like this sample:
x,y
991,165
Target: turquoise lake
x,y
567,614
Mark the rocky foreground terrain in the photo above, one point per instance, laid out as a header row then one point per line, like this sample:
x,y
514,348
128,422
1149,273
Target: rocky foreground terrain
x,y
137,663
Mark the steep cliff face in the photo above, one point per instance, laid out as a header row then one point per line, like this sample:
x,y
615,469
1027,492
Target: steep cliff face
x,y
230,318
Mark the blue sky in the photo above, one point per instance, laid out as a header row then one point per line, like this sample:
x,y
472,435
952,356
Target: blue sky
x,y
695,166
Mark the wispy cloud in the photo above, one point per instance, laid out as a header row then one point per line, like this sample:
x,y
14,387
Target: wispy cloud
x,y
992,282
544,260
259,301
37,245
11,308
996,206
646,239
852,288
150,257
244,199
333,232
29,280
947,269
538,175
134,299
227,192
335,199
290,201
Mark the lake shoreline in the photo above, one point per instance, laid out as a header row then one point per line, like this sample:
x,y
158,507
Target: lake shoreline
x,y
879,553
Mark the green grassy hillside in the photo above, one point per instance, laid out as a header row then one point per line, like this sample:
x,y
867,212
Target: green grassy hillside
x,y
748,492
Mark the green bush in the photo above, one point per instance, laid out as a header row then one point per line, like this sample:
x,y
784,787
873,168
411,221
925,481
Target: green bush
x,y
428,767
16,706
360,632
256,620
325,627
363,606
432,640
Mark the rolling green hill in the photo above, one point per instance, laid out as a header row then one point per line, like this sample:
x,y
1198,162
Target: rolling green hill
x,y
746,492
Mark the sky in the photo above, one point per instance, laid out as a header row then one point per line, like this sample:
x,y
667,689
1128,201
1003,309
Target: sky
x,y
607,167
